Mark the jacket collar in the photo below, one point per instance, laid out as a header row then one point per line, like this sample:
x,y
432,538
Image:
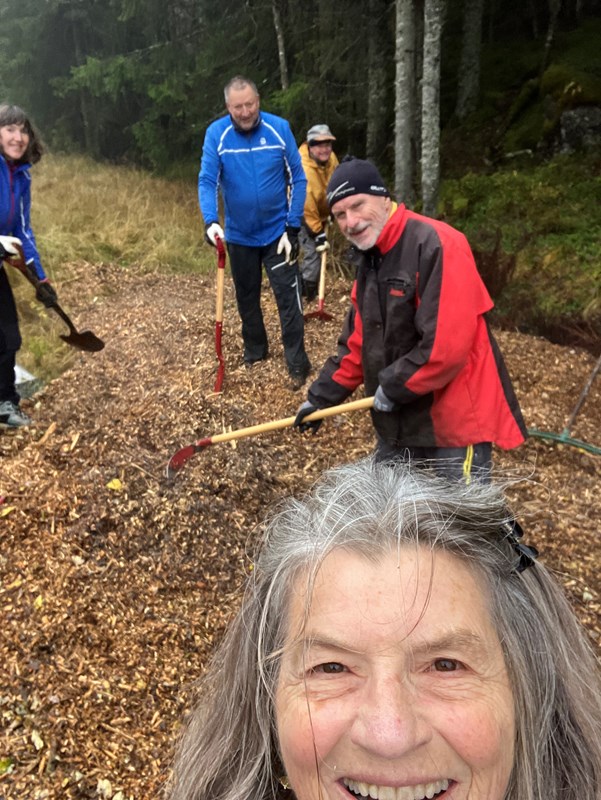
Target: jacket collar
x,y
14,166
239,130
393,228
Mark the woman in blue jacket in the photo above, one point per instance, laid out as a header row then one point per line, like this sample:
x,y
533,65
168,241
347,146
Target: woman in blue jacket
x,y
19,148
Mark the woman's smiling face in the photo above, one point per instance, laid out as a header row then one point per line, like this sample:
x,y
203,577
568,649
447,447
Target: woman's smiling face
x,y
394,686
14,141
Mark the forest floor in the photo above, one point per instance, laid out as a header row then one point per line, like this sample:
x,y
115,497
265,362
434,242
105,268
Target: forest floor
x,y
115,581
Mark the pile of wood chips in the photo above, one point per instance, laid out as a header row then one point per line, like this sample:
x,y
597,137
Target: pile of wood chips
x,y
115,582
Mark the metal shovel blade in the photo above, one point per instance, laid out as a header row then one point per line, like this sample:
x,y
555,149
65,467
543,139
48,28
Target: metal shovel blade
x,y
83,340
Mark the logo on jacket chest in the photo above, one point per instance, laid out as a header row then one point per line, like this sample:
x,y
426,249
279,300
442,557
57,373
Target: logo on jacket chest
x,y
399,286
263,140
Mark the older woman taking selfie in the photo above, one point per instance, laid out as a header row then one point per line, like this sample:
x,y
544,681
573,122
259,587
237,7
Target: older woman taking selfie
x,y
397,641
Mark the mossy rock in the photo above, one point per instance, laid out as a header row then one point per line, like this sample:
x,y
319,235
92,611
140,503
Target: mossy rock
x,y
570,87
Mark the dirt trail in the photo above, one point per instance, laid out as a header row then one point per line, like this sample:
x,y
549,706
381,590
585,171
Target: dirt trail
x,y
115,582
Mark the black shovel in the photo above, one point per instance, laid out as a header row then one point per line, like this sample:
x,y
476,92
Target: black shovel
x,y
83,340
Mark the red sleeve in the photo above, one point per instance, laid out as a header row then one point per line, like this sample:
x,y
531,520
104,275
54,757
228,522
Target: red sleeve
x,y
450,299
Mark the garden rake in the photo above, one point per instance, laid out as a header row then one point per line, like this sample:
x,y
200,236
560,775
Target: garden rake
x,y
564,437
177,461
320,313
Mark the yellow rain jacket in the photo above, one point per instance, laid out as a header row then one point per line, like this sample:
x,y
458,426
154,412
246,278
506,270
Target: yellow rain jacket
x,y
316,207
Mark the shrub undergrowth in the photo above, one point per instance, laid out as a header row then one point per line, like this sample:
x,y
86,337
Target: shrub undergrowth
x,y
547,215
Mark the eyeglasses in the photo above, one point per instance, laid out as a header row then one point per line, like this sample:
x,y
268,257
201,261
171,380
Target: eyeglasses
x,y
320,144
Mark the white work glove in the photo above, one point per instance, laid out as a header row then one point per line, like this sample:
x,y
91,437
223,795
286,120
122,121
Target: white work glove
x,y
8,246
289,244
321,243
382,402
212,231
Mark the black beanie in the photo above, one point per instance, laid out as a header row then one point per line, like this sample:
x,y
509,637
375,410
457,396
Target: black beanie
x,y
355,176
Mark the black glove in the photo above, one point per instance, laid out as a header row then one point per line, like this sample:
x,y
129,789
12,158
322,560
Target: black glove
x,y
321,242
382,402
294,243
304,411
46,294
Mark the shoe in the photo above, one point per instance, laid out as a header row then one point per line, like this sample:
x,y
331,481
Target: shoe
x,y
298,380
12,416
309,290
250,362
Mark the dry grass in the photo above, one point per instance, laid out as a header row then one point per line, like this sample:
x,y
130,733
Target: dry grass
x,y
86,213
94,212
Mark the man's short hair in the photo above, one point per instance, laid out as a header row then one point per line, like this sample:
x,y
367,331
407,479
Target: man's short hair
x,y
239,82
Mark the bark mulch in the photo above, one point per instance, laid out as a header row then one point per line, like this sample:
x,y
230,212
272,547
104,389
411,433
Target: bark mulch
x,y
115,581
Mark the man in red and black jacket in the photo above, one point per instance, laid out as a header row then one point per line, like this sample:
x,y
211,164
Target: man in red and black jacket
x,y
416,336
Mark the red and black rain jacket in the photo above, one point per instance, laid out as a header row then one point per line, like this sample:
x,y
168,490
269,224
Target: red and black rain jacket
x,y
416,327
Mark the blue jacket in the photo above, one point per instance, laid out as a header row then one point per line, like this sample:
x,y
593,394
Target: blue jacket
x,y
15,202
261,178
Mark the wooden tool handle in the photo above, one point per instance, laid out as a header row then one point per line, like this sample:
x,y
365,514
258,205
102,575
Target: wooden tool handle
x,y
287,422
321,293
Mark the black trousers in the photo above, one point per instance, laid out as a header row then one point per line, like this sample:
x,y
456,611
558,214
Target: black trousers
x,y
246,265
10,340
455,463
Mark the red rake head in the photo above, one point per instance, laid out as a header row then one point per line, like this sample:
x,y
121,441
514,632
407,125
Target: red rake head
x,y
177,460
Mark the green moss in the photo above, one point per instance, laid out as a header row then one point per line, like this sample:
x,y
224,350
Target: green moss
x,y
527,131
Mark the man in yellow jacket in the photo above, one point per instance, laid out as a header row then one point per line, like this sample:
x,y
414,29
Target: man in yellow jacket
x,y
319,162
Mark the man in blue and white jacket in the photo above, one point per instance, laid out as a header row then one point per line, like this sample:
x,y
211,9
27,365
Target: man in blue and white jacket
x,y
252,157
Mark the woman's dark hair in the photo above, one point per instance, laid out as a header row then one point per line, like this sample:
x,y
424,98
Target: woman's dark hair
x,y
13,115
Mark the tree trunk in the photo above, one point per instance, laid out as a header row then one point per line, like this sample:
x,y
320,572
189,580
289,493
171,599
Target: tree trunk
x,y
533,18
377,88
404,108
554,9
468,79
90,133
279,32
430,159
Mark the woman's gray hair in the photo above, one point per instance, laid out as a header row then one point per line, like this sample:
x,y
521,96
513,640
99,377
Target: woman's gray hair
x,y
229,750
13,115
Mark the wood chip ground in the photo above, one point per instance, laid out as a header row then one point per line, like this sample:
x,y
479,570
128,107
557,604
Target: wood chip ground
x,y
115,582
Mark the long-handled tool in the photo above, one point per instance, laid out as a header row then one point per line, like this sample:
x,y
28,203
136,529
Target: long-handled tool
x,y
83,340
177,461
321,293
564,437
219,312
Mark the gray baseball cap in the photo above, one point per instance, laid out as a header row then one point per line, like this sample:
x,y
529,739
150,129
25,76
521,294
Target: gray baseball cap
x,y
320,133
